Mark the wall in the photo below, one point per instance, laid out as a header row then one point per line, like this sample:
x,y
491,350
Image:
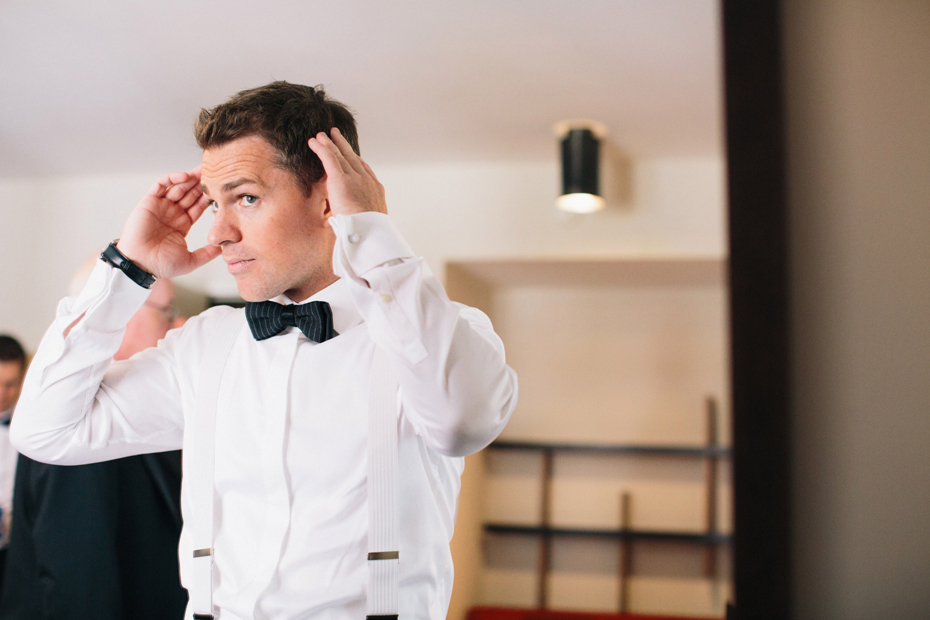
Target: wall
x,y
48,226
858,87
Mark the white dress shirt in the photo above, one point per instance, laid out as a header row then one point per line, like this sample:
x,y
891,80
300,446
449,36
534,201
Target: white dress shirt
x,y
291,515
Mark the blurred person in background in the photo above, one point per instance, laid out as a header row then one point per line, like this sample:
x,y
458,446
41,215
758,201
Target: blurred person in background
x,y
12,371
100,541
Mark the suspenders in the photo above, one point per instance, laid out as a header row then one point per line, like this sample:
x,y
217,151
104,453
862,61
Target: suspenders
x,y
383,555
200,478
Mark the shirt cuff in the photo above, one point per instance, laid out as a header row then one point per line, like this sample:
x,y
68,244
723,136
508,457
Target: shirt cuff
x,y
369,240
107,301
104,305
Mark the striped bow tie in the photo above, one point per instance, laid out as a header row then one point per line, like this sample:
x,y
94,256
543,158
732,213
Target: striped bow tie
x,y
269,318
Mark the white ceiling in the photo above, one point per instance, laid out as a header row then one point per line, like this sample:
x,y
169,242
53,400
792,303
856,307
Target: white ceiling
x,y
113,86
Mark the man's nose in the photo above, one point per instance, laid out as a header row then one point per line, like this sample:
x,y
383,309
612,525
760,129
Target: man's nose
x,y
224,228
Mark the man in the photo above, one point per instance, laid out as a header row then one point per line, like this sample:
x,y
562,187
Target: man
x,y
300,219
100,540
12,371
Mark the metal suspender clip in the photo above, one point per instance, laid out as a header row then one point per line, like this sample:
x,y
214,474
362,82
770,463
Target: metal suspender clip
x,y
201,599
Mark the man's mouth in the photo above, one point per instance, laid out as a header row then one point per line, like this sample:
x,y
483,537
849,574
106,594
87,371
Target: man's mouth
x,y
239,265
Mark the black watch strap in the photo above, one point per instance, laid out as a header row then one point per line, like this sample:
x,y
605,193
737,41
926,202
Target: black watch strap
x,y
118,260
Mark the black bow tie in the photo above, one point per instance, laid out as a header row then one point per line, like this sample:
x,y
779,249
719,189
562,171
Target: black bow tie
x,y
269,318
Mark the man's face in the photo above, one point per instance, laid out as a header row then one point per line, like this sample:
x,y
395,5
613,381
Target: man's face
x,y
11,382
150,323
274,238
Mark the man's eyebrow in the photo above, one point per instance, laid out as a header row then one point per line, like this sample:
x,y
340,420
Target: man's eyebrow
x,y
231,185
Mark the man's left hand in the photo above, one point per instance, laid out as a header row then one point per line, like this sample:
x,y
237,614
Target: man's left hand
x,y
351,185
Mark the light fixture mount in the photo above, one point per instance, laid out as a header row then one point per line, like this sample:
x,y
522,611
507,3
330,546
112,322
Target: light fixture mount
x,y
562,128
580,148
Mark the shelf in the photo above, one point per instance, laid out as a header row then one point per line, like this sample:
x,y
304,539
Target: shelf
x,y
537,530
708,455
639,449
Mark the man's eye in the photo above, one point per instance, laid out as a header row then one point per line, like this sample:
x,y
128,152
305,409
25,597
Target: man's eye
x,y
213,206
248,199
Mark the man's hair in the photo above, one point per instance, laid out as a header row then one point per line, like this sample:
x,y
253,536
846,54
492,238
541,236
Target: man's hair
x,y
284,115
11,350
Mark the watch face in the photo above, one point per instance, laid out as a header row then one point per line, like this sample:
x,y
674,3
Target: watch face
x,y
116,259
113,256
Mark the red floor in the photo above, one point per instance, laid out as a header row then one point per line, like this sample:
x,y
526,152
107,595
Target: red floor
x,y
511,613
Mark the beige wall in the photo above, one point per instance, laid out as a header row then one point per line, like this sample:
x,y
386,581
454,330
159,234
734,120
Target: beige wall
x,y
858,95
48,228
616,364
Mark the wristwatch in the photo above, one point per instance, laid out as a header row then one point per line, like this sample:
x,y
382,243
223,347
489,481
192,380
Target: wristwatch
x,y
118,260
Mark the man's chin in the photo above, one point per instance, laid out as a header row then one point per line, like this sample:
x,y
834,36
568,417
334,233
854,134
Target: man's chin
x,y
249,291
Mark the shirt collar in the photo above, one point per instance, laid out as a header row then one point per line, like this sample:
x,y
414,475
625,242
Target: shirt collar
x,y
345,314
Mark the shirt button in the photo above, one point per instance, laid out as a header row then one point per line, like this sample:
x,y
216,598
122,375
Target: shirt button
x,y
354,238
386,298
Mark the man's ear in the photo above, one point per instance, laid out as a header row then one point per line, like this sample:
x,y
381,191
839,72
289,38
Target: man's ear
x,y
320,197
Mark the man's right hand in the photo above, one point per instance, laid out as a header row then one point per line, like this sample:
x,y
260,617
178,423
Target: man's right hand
x,y
154,236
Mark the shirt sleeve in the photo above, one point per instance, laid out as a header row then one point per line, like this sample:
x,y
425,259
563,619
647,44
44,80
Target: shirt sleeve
x,y
455,385
77,405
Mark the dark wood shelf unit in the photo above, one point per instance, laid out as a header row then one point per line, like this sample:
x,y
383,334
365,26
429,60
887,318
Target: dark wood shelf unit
x,y
638,449
672,536
710,539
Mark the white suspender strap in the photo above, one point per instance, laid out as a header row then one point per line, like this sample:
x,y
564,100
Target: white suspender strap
x,y
200,476
383,554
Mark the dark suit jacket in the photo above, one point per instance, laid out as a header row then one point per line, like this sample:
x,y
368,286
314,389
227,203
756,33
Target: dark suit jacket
x,y
95,541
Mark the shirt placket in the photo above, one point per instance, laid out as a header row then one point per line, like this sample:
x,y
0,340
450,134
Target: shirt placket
x,y
273,468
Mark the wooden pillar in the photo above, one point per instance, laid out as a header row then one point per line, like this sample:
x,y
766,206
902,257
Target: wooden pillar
x,y
545,539
710,472
625,560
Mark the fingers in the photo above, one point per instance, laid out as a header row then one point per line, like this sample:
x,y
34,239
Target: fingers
x,y
368,169
345,149
341,151
333,161
204,255
177,192
162,185
196,210
190,197
174,186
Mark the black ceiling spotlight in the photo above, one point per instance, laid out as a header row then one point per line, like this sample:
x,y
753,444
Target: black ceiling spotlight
x,y
581,146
